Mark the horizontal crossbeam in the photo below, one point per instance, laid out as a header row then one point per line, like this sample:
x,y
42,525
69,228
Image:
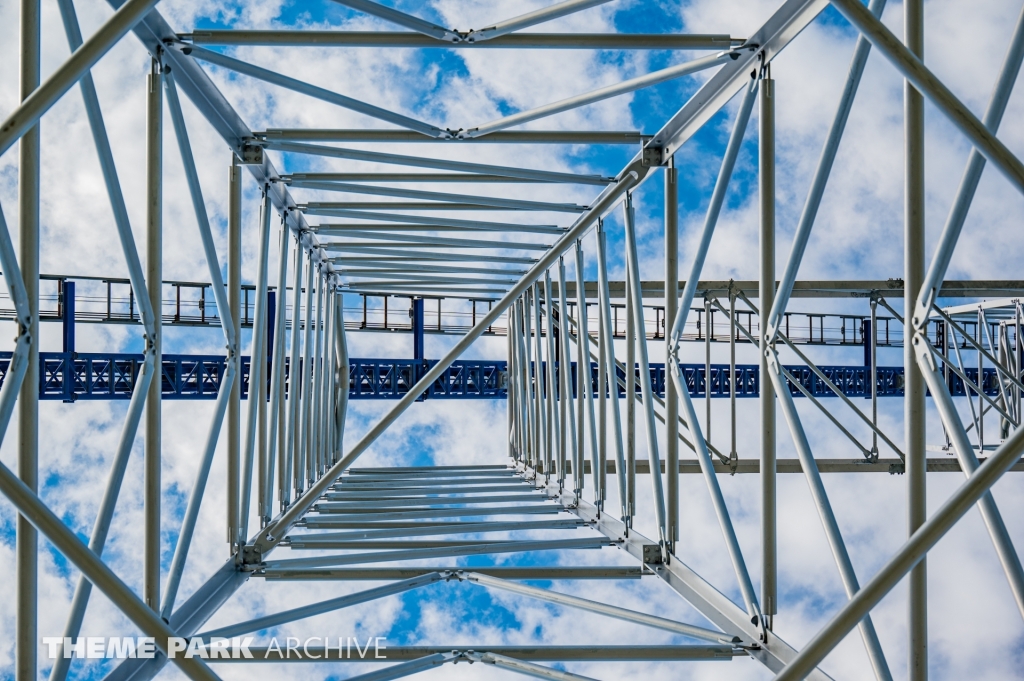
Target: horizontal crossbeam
x,y
514,572
546,41
500,137
343,653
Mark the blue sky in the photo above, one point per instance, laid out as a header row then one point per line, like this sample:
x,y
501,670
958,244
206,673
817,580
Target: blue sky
x,y
976,632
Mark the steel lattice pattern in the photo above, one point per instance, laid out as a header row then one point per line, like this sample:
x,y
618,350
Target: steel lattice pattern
x,y
298,508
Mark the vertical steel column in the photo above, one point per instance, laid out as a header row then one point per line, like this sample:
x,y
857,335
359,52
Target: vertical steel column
x,y
601,471
946,331
329,379
26,541
551,376
511,422
265,441
874,375
154,275
733,455
337,376
343,376
569,439
282,422
263,466
981,382
235,312
305,466
582,371
526,403
1003,342
417,328
317,434
294,381
532,373
1018,355
66,307
707,368
671,304
330,382
67,314
277,387
257,369
523,376
766,292
611,372
517,381
914,386
337,329
539,376
630,389
586,377
514,425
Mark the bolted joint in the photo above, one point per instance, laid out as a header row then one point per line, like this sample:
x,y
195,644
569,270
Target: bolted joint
x,y
252,557
250,154
652,156
652,554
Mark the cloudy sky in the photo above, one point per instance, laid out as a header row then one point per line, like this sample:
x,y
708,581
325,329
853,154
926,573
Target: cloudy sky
x,y
975,630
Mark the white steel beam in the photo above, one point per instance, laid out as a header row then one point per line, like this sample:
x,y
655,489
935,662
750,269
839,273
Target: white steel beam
x,y
607,92
295,85
539,16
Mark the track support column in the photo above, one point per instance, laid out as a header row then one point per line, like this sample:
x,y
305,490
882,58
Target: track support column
x,y
914,401
417,328
235,305
766,292
154,275
671,305
27,557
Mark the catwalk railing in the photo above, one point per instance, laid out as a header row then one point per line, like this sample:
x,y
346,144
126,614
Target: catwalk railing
x,y
109,300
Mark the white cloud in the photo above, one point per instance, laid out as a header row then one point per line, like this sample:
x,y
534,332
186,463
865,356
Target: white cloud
x,y
858,236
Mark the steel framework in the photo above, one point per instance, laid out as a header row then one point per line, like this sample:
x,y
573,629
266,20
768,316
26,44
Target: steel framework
x,y
570,482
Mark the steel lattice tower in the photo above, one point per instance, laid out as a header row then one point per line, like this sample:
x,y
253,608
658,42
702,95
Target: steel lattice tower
x,y
592,374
